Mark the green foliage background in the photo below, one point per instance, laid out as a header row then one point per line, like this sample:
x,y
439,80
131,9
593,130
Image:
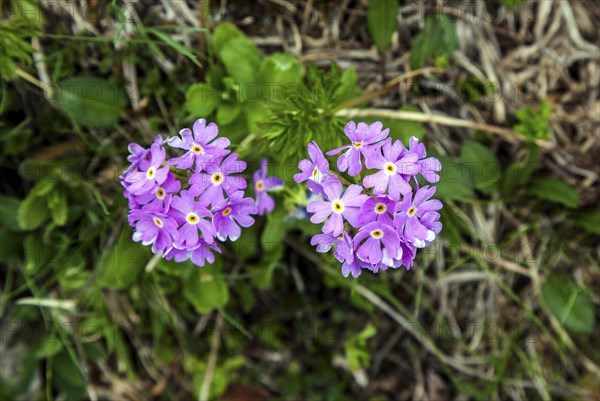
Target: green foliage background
x,y
85,311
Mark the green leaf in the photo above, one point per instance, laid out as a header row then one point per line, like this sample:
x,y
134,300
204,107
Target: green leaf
x,y
590,222
57,202
175,45
202,99
571,305
227,112
382,21
91,102
224,32
437,39
29,11
555,191
534,121
355,347
206,289
281,68
281,71
120,267
454,180
67,376
241,58
33,212
518,173
272,248
482,164
9,207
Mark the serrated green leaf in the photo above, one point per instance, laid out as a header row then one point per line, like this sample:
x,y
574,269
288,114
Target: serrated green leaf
x,y
534,121
382,21
571,305
224,32
33,212
92,102
241,58
555,191
355,347
202,99
206,289
281,68
483,166
121,266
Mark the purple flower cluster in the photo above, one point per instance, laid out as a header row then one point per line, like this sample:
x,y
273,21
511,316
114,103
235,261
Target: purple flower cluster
x,y
183,205
385,216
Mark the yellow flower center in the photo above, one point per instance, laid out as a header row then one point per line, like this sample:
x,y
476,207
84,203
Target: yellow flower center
x,y
217,178
158,222
160,193
315,172
259,185
337,206
357,145
376,233
411,212
197,149
150,173
380,208
192,218
389,168
226,211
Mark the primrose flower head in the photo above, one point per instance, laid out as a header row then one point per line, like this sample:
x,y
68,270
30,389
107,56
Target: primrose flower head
x,y
374,222
169,199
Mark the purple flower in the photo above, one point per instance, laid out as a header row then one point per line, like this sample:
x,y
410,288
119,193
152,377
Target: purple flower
x,y
210,185
409,213
431,221
150,174
343,245
262,184
428,167
200,146
373,236
138,155
189,214
378,209
314,169
405,255
363,139
392,167
199,253
237,210
344,251
159,199
338,206
152,227
353,267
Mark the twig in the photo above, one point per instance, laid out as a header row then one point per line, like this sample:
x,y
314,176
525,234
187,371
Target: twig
x,y
212,360
30,78
435,119
388,86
